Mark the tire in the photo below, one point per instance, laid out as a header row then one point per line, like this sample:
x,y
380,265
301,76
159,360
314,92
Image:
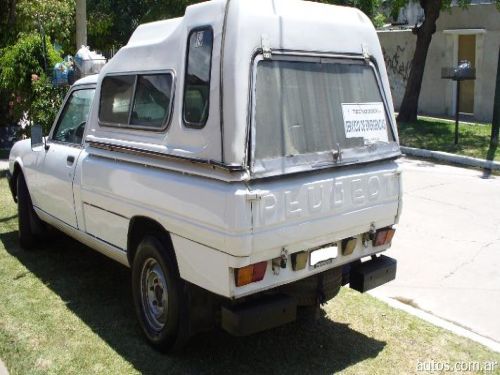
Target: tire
x,y
308,291
29,223
157,289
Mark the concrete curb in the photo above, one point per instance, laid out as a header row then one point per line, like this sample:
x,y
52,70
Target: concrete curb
x,y
451,158
452,327
3,369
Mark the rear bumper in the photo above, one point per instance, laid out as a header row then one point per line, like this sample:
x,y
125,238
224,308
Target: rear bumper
x,y
259,315
274,310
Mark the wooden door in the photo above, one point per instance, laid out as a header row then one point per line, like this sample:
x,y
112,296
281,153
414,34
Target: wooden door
x,y
467,51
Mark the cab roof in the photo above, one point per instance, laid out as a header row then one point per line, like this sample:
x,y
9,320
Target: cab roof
x,y
87,80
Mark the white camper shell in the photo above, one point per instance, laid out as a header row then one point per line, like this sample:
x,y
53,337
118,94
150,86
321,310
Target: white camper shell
x,y
243,32
246,150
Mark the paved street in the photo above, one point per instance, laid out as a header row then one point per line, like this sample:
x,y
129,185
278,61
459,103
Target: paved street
x,y
448,246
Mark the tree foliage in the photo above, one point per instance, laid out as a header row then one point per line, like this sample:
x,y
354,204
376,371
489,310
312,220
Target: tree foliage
x,y
7,21
370,7
110,28
46,102
21,23
24,58
23,74
57,17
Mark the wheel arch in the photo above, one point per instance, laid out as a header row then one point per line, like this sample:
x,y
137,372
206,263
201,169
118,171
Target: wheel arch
x,y
141,225
13,180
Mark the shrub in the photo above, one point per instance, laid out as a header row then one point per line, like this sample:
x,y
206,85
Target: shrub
x,y
46,102
23,76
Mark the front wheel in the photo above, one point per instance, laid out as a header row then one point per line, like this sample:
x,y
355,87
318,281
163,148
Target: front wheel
x,y
157,293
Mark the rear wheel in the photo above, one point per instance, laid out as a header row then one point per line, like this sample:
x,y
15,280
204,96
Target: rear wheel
x,y
29,223
317,289
313,292
158,295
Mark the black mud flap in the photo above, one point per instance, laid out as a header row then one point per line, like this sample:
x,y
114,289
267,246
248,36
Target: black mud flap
x,y
259,315
373,273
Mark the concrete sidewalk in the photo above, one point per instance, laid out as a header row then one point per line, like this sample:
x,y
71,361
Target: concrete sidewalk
x,y
448,246
451,158
3,369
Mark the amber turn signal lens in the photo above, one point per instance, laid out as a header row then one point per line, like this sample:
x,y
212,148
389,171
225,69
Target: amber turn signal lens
x,y
383,236
390,234
250,274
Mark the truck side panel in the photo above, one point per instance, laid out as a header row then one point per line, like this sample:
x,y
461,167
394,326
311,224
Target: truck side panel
x,y
112,192
108,226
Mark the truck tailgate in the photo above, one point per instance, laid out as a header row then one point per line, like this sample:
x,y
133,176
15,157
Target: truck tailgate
x,y
312,209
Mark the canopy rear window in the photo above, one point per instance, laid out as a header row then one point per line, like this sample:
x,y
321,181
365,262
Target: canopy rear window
x,y
320,106
197,79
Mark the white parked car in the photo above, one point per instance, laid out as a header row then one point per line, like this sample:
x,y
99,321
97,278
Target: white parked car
x,y
240,159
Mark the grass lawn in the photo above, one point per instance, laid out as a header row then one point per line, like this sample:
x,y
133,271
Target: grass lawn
x,y
438,135
65,309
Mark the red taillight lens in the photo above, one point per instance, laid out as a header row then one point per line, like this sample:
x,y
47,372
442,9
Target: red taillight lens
x,y
383,236
250,274
259,270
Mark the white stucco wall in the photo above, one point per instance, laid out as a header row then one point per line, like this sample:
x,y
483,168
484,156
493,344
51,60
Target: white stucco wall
x,y
438,95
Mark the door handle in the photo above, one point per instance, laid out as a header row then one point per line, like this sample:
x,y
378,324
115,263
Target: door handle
x,y
70,160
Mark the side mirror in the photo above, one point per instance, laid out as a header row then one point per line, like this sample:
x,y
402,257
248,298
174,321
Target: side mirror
x,y
37,139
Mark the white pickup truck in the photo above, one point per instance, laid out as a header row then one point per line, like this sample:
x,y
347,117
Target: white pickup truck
x,y
240,159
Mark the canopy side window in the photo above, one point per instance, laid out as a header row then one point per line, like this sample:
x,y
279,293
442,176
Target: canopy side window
x,y
137,101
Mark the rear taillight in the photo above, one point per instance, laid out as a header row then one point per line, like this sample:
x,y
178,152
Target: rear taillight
x,y
383,236
250,274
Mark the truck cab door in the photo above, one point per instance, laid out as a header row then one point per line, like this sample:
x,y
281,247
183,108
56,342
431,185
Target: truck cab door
x,y
56,166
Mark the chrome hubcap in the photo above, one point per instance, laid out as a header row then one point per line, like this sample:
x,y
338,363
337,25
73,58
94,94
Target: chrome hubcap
x,y
154,294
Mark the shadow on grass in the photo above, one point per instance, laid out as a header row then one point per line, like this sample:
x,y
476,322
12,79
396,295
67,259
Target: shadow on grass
x,y
5,219
97,290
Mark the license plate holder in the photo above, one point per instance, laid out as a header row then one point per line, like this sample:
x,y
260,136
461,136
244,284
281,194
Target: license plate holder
x,y
324,256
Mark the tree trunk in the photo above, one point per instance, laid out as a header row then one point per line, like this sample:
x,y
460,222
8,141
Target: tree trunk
x,y
81,23
12,13
409,105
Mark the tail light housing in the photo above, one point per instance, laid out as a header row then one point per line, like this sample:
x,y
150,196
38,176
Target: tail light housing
x,y
250,274
383,236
